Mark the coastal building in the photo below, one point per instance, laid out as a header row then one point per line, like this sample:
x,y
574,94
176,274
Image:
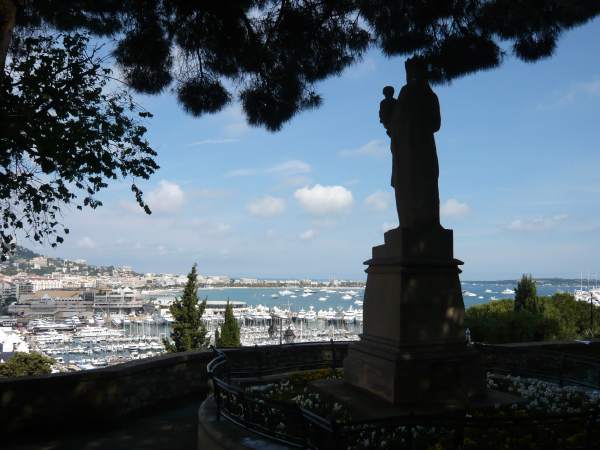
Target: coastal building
x,y
118,301
62,304
7,290
39,283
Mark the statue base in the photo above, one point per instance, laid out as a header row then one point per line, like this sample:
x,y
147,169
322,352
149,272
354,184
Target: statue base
x,y
445,375
413,347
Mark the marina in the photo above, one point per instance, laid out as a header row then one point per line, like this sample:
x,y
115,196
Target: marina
x,y
112,335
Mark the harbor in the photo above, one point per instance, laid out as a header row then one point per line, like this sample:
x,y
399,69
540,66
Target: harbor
x,y
108,338
126,325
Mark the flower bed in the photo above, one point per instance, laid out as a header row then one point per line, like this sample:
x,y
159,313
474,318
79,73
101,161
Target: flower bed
x,y
539,422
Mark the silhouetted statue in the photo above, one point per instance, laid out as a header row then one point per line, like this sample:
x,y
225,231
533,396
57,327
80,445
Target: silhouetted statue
x,y
386,109
415,171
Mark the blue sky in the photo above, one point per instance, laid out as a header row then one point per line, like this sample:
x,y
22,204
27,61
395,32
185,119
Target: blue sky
x,y
519,160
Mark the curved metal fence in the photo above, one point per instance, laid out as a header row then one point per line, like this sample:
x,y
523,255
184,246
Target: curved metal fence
x,y
232,371
553,366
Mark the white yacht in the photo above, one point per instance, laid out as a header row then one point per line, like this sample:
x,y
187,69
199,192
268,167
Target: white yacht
x,y
311,314
98,320
584,295
508,292
349,315
280,313
330,314
346,297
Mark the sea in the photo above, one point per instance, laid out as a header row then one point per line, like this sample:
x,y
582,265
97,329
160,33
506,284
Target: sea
x,y
142,338
474,293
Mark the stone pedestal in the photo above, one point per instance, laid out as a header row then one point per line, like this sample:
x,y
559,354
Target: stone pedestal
x,y
413,347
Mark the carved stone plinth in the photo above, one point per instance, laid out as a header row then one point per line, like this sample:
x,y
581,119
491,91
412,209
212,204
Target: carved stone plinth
x,y
413,347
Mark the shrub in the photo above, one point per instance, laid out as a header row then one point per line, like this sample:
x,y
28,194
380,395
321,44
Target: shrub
x,y
26,364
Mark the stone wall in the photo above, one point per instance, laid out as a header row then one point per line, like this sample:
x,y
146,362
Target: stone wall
x,y
64,402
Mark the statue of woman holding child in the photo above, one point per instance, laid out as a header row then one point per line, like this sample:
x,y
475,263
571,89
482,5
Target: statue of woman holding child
x,y
410,121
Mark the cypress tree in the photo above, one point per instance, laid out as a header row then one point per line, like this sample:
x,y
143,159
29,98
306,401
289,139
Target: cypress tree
x,y
230,330
526,295
189,332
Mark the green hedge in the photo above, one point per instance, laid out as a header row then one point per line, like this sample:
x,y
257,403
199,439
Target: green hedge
x,y
560,317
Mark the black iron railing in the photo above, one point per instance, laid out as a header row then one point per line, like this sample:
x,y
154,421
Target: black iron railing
x,y
286,422
553,366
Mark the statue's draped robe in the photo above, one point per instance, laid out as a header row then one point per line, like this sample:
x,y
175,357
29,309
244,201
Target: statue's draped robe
x,y
415,167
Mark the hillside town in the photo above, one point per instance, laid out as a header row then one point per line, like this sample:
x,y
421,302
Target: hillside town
x,y
86,316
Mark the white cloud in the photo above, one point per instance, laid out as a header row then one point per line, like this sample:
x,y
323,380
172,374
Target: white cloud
x,y
215,141
167,197
286,168
536,224
376,147
571,94
266,206
308,234
324,200
378,201
587,88
454,208
86,242
290,167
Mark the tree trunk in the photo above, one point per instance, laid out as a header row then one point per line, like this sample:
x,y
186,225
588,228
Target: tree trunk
x,y
8,13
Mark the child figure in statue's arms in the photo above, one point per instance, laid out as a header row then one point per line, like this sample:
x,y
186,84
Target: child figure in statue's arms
x,y
386,108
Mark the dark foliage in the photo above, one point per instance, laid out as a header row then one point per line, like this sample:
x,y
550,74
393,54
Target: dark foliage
x,y
558,317
144,54
62,136
230,330
201,95
274,51
526,295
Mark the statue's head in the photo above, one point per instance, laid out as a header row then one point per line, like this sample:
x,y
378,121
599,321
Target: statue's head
x,y
388,91
415,70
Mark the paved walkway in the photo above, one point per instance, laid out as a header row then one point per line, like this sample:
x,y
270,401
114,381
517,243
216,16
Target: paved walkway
x,y
173,429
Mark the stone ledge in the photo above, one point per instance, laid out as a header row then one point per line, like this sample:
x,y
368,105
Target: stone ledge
x,y
116,371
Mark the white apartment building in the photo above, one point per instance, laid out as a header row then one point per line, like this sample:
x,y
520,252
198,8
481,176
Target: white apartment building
x,y
39,283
